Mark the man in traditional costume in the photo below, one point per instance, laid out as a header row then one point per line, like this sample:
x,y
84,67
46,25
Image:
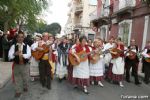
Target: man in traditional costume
x,y
20,53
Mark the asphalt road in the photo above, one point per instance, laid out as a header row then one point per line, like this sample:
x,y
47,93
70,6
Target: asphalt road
x,y
65,91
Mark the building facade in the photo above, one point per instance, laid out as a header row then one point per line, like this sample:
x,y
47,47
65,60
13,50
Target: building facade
x,y
78,17
123,18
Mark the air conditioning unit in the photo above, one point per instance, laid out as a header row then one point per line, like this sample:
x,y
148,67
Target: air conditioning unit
x,y
114,21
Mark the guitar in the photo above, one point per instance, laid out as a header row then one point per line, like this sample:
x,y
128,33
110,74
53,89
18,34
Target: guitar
x,y
115,53
132,55
83,55
148,59
96,56
38,54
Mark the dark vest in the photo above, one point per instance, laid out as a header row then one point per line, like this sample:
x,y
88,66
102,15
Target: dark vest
x,y
24,51
136,47
148,50
136,59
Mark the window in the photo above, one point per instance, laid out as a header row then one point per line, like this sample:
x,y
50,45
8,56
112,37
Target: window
x,y
125,31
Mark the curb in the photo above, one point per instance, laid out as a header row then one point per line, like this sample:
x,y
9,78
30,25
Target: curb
x,y
5,73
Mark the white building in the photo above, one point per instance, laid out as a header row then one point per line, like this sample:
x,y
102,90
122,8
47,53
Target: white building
x,y
79,16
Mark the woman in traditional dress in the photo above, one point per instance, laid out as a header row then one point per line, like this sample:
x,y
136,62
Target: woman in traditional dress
x,y
70,66
34,70
117,63
81,71
62,62
97,69
107,57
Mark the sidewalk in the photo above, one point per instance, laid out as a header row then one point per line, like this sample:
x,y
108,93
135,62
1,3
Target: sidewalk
x,y
5,72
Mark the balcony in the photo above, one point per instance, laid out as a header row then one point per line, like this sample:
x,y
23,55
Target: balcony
x,y
78,9
121,6
78,25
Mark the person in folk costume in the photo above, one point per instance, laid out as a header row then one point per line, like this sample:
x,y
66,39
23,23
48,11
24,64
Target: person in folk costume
x,y
146,64
5,45
90,42
20,53
107,56
97,69
81,71
34,69
52,54
62,61
1,48
132,61
117,62
44,66
70,66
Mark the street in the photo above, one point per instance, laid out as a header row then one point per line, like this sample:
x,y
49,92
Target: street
x,y
65,91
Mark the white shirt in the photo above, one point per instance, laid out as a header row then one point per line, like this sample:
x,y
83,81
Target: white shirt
x,y
108,46
12,52
144,53
34,46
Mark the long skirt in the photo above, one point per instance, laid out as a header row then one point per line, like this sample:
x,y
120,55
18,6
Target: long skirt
x,y
70,73
81,82
34,68
114,77
96,78
81,74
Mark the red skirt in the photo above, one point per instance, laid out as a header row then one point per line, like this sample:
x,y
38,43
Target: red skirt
x,y
117,78
112,76
70,75
96,78
81,82
13,78
109,72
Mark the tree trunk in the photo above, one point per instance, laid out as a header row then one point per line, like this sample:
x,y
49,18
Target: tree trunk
x,y
6,26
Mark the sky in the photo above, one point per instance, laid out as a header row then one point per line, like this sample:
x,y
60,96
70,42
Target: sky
x,y
57,12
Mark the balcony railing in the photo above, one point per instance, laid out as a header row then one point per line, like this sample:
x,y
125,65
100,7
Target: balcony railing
x,y
78,25
121,5
78,8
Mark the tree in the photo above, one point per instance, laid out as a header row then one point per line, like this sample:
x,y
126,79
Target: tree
x,y
41,26
21,12
53,28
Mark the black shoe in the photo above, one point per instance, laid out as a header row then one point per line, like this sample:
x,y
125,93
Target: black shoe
x,y
60,80
75,87
138,83
128,81
43,85
25,89
49,87
64,78
146,82
17,95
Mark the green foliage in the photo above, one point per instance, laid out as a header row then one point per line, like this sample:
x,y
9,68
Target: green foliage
x,y
41,26
53,28
21,12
